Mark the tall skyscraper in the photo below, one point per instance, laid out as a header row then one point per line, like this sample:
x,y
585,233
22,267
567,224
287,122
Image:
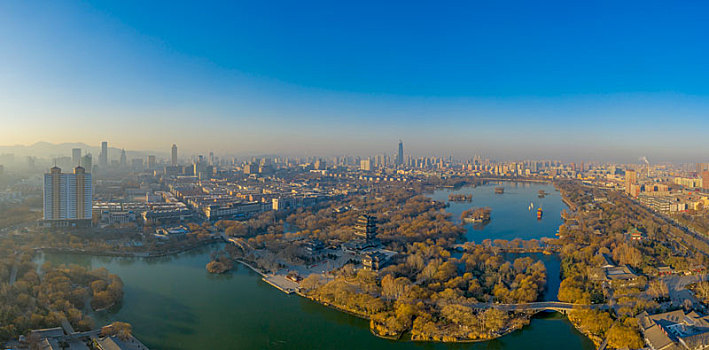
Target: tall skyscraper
x,y
76,157
87,162
67,197
104,154
151,162
400,155
705,179
174,155
124,161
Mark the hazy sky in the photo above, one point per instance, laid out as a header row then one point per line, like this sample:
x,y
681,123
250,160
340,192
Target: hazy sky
x,y
508,79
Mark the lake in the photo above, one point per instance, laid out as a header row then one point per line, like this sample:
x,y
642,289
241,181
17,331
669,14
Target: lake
x,y
173,303
510,217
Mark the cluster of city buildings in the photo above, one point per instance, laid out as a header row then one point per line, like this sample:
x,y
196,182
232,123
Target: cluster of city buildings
x,y
209,188
671,192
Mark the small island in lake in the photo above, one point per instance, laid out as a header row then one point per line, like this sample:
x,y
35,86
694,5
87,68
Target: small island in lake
x,y
477,215
460,197
220,263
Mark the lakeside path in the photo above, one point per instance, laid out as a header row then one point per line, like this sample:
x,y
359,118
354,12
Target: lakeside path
x,y
145,254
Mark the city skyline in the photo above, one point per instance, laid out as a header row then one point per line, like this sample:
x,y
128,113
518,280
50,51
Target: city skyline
x,y
49,151
252,79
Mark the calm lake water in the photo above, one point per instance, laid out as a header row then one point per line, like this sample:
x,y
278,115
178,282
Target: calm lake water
x,y
510,217
173,303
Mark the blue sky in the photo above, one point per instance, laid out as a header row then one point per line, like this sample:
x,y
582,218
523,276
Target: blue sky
x,y
507,79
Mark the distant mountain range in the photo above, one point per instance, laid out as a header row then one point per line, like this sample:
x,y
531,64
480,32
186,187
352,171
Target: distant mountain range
x,y
51,150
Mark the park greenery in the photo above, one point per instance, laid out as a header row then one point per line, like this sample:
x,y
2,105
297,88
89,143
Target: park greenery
x,y
13,214
426,290
32,297
122,330
220,263
432,294
476,214
597,230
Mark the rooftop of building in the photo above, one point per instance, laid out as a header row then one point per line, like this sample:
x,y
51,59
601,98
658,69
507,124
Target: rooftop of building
x,y
675,330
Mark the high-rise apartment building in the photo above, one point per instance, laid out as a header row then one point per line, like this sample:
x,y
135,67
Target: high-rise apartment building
x,y
76,157
174,155
137,164
151,162
365,164
705,179
87,162
631,178
67,197
103,158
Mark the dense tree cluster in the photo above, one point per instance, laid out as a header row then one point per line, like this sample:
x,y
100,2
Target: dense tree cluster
x,y
431,293
13,214
41,298
596,231
701,290
122,330
221,262
697,220
425,290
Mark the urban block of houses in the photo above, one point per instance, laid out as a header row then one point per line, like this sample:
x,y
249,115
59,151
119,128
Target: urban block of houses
x,y
675,330
57,339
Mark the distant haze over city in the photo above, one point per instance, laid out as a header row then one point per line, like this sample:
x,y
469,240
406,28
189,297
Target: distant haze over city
x,y
49,151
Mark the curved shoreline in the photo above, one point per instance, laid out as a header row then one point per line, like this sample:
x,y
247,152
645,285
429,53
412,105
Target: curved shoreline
x,y
200,244
146,254
365,317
